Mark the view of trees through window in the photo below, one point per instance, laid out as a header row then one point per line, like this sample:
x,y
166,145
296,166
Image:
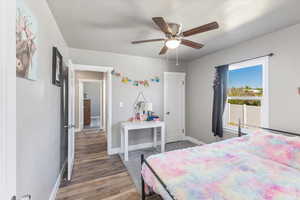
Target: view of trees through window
x,y
245,92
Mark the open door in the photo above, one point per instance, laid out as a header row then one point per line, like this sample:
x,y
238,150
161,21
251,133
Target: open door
x,y
71,120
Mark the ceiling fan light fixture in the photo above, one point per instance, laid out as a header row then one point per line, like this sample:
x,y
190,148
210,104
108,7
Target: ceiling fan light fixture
x,y
173,43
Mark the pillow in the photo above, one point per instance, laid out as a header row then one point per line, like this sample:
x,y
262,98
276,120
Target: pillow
x,y
279,148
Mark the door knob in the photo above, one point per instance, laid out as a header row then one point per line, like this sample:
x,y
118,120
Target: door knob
x,y
70,126
168,113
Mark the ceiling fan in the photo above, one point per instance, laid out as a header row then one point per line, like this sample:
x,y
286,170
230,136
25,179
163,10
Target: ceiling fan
x,y
175,36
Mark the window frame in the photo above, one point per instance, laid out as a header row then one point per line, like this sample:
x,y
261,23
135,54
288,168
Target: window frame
x,y
264,61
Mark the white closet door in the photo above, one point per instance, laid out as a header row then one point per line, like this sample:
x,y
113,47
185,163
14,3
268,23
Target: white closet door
x,y
174,106
71,118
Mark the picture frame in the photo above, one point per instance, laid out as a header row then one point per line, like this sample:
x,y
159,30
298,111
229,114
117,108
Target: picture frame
x,y
57,62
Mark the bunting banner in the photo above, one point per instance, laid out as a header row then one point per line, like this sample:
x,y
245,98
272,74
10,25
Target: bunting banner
x,y
126,80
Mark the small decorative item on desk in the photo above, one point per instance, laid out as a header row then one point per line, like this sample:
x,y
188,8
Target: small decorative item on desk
x,y
143,117
154,118
149,109
143,110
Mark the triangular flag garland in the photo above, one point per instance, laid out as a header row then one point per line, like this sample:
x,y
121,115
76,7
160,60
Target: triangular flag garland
x,y
126,80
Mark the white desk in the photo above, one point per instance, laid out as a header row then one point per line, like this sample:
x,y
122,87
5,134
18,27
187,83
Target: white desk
x,y
127,126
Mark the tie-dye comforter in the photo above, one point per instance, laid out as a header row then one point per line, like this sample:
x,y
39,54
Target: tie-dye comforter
x,y
259,166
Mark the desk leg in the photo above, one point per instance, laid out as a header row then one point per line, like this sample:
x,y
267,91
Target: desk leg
x,y
126,143
122,140
154,137
163,138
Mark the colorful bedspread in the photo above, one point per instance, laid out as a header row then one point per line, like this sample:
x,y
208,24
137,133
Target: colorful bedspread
x,y
260,166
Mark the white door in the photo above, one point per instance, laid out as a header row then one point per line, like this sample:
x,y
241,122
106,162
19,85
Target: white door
x,y
8,179
71,118
174,106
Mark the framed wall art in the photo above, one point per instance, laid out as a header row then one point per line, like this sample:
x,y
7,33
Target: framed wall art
x,y
26,43
57,63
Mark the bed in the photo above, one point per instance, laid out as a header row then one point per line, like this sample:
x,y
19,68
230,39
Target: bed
x,y
262,165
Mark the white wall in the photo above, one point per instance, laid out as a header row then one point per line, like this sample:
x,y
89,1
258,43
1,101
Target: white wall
x,y
284,78
134,67
38,113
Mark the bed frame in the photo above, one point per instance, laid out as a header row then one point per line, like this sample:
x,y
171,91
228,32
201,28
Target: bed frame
x,y
144,161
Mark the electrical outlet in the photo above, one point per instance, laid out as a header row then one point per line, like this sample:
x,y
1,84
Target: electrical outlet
x,y
121,104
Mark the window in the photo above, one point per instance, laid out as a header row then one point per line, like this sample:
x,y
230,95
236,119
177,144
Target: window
x,y
247,96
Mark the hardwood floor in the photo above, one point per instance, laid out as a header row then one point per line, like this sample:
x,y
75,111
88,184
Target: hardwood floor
x,y
97,175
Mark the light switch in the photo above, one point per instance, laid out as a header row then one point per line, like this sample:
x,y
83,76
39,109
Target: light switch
x,y
26,197
121,104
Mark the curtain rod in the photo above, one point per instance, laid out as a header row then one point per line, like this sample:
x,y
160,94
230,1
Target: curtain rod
x,y
269,55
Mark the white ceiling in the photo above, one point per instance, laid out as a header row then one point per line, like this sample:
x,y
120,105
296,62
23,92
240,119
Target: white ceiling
x,y
110,25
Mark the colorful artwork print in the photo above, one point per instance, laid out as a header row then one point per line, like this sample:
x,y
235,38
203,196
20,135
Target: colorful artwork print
x,y
26,28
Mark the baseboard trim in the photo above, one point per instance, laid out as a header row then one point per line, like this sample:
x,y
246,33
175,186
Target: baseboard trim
x,y
71,170
194,140
133,147
57,183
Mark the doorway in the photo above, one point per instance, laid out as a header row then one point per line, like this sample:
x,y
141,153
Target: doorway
x,y
174,106
104,80
91,103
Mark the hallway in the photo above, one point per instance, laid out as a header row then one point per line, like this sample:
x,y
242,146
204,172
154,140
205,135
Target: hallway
x,y
97,175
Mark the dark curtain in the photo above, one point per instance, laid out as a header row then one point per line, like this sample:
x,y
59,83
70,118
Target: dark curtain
x,y
220,96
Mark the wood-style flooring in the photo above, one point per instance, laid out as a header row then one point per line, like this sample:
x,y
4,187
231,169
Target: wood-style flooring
x,y
96,175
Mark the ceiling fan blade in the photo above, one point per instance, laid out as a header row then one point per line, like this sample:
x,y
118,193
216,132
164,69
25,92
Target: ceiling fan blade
x,y
144,41
201,29
163,50
161,23
192,44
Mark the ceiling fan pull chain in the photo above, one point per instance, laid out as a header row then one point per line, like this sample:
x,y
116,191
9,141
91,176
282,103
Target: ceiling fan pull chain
x,y
177,63
167,56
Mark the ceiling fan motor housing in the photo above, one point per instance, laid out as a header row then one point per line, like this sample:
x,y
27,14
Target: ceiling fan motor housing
x,y
175,29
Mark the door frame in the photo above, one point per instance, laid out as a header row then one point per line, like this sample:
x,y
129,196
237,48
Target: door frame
x,y
81,99
8,99
108,97
183,74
